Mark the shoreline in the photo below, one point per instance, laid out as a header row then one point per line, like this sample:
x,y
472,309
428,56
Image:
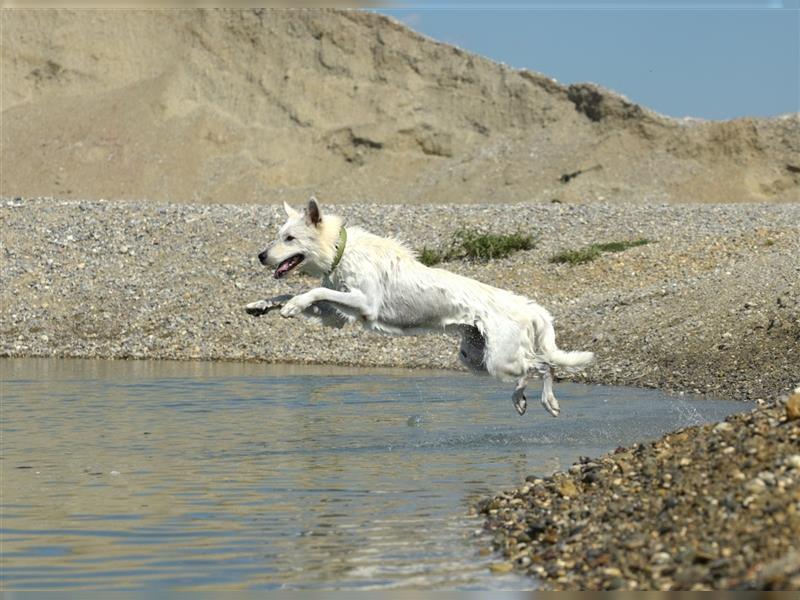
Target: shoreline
x,y
707,507
710,307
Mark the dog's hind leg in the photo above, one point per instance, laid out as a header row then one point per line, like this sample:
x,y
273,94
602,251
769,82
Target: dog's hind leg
x,y
548,397
505,360
472,352
519,399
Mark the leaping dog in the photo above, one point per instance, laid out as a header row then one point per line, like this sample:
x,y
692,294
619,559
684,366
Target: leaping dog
x,y
380,283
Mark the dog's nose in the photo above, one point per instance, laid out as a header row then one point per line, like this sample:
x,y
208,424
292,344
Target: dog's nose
x,y
263,257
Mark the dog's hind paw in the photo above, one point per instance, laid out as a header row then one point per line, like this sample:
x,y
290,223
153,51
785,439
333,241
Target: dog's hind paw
x,y
551,405
520,403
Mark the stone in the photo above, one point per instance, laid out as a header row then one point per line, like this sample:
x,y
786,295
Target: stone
x,y
755,486
722,427
661,558
500,568
567,488
793,407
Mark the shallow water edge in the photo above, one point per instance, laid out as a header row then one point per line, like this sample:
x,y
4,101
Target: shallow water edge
x,y
138,475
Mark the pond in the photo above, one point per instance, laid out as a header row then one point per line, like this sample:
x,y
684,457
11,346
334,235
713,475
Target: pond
x,y
141,475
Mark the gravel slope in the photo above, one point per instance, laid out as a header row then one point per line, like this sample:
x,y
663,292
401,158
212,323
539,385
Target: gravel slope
x,y
711,507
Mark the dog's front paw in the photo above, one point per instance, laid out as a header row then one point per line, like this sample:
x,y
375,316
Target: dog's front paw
x,y
293,307
262,307
258,308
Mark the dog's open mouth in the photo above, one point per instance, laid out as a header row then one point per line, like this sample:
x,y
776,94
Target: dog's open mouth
x,y
288,264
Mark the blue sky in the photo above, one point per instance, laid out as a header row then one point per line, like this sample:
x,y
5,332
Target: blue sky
x,y
715,60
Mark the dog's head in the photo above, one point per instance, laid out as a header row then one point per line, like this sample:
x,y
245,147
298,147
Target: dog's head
x,y
305,241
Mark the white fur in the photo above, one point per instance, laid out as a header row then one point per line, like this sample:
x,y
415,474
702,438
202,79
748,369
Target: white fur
x,y
380,283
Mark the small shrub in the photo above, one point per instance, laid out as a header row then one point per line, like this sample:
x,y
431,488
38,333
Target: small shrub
x,y
577,257
429,256
621,246
477,245
589,253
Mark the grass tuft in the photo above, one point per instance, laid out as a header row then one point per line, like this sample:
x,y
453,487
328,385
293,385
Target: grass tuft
x,y
576,257
622,246
477,245
430,256
589,253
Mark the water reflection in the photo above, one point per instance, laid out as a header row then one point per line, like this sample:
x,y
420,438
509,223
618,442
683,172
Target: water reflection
x,y
131,475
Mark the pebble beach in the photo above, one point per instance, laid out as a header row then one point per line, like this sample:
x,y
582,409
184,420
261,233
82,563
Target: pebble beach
x,y
709,306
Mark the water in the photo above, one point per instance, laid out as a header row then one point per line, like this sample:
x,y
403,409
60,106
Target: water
x,y
204,476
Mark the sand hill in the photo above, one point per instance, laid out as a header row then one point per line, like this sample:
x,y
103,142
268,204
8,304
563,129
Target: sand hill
x,y
261,105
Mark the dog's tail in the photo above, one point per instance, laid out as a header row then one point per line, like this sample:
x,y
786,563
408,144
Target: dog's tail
x,y
546,347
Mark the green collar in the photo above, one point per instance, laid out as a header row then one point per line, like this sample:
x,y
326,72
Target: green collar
x,y
339,249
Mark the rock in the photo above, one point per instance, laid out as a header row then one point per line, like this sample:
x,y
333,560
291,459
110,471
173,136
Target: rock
x,y
793,407
722,427
567,488
755,486
523,561
661,558
592,477
503,567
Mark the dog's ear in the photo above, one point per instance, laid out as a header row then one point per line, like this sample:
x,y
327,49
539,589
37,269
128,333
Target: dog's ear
x,y
313,214
290,212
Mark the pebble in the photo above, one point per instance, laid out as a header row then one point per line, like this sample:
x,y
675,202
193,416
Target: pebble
x,y
755,486
661,558
722,427
793,407
567,488
499,568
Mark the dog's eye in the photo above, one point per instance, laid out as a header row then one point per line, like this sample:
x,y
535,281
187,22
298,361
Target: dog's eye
x,y
289,238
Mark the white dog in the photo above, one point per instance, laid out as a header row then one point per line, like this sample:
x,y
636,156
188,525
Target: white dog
x,y
380,283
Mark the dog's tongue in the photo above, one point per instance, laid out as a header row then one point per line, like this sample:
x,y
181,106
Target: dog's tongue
x,y
287,265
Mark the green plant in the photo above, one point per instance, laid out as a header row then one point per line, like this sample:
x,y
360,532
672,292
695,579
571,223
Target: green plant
x,y
589,253
576,257
430,256
477,245
480,245
621,246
